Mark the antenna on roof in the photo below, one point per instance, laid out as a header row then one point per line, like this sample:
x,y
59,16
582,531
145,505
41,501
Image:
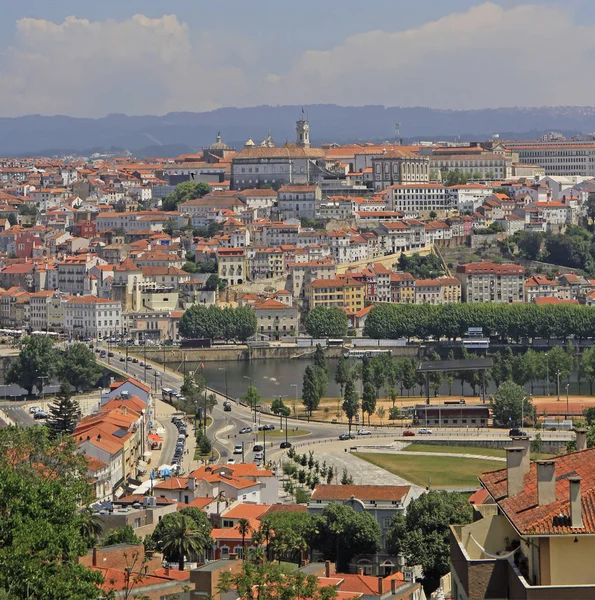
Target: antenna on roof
x,y
398,140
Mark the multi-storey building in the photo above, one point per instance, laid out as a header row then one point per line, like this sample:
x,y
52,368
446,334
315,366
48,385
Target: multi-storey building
x,y
231,265
468,197
73,270
481,166
557,157
39,309
298,201
345,293
92,317
491,282
399,165
275,318
304,273
417,199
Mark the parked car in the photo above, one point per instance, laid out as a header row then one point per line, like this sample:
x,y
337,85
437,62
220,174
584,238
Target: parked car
x,y
285,445
408,433
238,449
129,358
135,360
34,409
41,414
110,354
258,448
258,456
364,432
346,436
245,430
516,432
122,359
266,427
424,431
231,461
149,367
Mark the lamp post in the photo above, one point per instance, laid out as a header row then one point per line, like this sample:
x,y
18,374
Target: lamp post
x,y
286,430
281,412
547,373
264,446
295,385
225,370
250,379
558,383
567,410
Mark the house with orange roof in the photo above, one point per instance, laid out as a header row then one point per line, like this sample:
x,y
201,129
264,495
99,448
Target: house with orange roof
x,y
275,319
92,317
533,534
345,293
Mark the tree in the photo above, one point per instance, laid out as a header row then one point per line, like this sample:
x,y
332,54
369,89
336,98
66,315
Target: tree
x,y
64,414
121,535
43,485
320,370
346,478
279,408
323,322
310,390
369,399
187,190
35,365
350,402
342,372
200,321
205,446
90,526
510,402
380,413
182,534
78,366
244,529
560,363
422,535
344,533
252,397
291,534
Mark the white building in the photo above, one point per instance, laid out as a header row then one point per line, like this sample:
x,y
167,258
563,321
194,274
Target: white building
x,y
416,199
92,317
298,201
467,198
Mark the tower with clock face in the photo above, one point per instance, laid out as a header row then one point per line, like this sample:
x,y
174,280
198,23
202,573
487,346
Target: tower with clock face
x,y
302,129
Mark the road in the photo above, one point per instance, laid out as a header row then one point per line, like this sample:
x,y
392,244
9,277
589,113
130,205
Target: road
x,y
226,425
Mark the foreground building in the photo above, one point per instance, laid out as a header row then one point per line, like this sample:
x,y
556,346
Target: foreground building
x,y
535,530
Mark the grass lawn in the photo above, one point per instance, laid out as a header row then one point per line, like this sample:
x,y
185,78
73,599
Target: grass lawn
x,y
444,471
499,452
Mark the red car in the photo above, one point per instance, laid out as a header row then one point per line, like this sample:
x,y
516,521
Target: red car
x,y
408,433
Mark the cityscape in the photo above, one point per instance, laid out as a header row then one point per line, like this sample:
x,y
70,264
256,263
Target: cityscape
x,y
353,362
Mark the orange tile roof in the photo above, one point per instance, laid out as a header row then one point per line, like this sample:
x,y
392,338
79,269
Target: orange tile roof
x,y
246,511
362,492
523,510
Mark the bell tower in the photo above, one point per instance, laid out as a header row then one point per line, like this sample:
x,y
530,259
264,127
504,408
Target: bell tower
x,y
302,129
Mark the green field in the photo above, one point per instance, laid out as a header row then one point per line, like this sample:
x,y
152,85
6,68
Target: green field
x,y
497,452
444,471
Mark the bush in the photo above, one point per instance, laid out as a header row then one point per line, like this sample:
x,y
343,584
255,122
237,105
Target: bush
x,y
205,445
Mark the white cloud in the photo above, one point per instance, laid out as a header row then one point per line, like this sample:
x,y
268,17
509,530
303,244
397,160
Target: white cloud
x,y
486,57
136,66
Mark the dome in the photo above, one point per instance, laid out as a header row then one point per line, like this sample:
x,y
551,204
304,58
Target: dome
x,y
219,145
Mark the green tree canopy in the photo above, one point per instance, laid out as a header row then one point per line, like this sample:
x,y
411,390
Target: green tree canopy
x,y
43,485
121,535
510,402
322,322
187,190
310,390
423,534
64,413
343,533
78,366
350,401
212,322
279,408
252,397
35,365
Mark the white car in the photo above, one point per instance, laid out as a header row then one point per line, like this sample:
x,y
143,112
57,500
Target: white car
x,y
238,449
258,456
34,409
364,432
424,431
231,461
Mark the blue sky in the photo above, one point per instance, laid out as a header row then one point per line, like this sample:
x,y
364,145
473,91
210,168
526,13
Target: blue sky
x,y
88,58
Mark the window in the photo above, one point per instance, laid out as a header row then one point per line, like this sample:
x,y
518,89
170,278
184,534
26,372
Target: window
x,y
224,552
226,522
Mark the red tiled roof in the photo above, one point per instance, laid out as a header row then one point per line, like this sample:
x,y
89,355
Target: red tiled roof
x,y
523,510
362,492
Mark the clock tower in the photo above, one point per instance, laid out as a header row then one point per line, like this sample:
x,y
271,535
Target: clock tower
x,y
302,129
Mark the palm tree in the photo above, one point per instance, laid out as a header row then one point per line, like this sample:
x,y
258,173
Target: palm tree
x,y
90,526
244,528
181,538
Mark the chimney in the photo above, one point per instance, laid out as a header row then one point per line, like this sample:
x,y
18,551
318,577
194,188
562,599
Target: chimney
x,y
514,470
380,586
525,443
123,410
393,586
546,482
360,571
327,568
94,563
576,513
191,483
581,439
167,571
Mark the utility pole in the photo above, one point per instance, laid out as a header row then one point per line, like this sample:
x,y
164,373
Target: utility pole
x,y
558,383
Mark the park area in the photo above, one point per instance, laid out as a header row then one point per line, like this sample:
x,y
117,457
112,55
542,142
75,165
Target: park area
x,y
434,471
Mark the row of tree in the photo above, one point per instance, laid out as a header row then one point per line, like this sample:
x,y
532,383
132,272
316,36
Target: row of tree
x,y
509,321
212,322
323,322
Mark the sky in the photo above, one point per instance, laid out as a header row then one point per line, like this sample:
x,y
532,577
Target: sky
x,y
88,58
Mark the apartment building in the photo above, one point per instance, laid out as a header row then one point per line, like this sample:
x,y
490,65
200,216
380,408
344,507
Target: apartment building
x,y
417,199
383,502
437,291
481,166
72,271
468,197
39,310
345,293
304,273
557,157
298,201
273,318
399,165
92,317
231,265
491,282
533,534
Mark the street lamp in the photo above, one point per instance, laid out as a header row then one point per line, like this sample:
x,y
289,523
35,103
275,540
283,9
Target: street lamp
x,y
281,412
547,373
250,379
567,411
558,383
224,369
295,385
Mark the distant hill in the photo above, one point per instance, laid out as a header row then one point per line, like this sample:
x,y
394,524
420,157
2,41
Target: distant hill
x,y
163,135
